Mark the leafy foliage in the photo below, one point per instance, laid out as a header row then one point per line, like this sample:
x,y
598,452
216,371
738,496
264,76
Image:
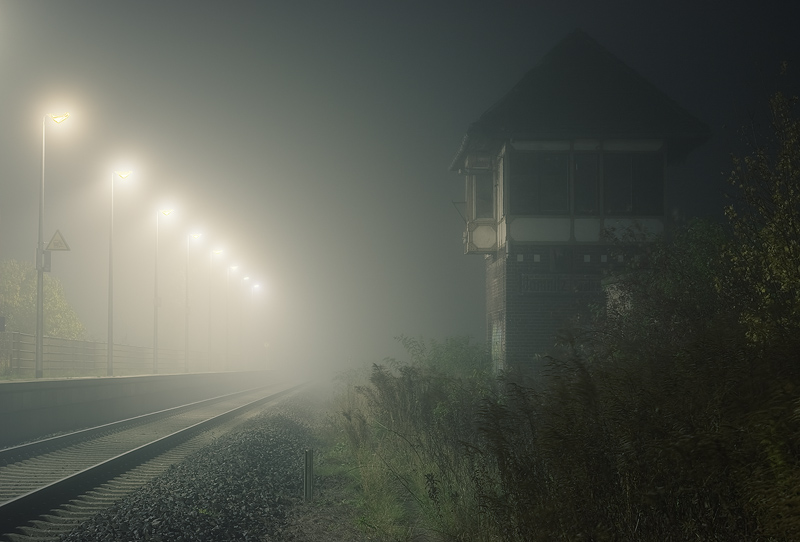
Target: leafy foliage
x,y
18,303
765,216
668,295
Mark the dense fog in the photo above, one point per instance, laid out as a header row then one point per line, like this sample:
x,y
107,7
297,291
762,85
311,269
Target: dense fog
x,y
310,142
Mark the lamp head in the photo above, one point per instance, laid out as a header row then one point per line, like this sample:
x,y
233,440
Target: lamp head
x,y
58,119
123,174
166,212
195,235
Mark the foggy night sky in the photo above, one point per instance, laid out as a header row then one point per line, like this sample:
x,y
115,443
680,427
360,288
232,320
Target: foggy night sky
x,y
311,141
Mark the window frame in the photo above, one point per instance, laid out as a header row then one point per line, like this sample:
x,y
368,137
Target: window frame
x,y
639,205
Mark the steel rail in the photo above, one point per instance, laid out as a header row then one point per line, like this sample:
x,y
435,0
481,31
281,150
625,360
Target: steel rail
x,y
20,510
18,452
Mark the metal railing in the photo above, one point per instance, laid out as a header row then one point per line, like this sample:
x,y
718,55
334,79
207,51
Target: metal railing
x,y
67,357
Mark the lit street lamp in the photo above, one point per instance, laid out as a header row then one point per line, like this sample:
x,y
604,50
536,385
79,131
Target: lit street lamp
x,y
110,346
58,119
156,303
186,307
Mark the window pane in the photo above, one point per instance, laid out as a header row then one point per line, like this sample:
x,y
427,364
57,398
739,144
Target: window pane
x,y
552,176
648,184
617,183
586,183
484,196
523,189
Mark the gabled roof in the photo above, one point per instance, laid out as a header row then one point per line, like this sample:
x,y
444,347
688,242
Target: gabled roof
x,y
580,90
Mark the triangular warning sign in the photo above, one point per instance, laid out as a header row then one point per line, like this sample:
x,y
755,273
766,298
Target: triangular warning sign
x,y
57,242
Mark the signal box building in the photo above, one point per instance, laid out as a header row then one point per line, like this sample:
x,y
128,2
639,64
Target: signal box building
x,y
577,152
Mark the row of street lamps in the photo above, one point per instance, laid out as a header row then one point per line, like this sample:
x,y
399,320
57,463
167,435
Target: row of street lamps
x,y
41,267
228,270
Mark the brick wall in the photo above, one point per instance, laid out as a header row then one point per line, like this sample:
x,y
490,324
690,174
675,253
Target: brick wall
x,y
533,292
496,308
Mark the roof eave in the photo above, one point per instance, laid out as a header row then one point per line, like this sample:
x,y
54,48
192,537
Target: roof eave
x,y
458,159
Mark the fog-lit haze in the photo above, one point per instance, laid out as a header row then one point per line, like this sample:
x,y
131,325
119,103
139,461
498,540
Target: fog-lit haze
x,y
311,142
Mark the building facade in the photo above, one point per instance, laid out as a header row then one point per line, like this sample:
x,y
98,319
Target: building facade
x,y
565,167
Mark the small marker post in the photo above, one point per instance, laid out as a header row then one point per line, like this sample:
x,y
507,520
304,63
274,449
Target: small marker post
x,y
308,480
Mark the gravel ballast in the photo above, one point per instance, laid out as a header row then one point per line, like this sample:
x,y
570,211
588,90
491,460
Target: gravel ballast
x,y
239,488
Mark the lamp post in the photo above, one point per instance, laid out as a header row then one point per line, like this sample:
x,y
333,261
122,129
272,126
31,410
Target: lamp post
x,y
250,328
156,303
110,345
241,333
212,253
58,119
227,312
186,307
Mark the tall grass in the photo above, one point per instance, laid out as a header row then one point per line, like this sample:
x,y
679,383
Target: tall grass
x,y
663,422
411,428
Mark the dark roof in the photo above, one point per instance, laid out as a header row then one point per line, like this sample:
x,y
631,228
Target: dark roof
x,y
580,90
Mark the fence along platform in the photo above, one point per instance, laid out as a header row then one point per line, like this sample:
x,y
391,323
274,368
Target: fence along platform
x,y
67,357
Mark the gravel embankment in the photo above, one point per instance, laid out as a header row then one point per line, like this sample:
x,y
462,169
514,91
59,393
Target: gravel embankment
x,y
242,487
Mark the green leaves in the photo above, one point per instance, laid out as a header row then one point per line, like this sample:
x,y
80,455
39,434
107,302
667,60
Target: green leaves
x,y
18,303
765,221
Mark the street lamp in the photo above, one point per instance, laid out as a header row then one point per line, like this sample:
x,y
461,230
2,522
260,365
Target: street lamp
x,y
227,312
110,346
212,253
156,303
186,307
250,338
58,119
241,296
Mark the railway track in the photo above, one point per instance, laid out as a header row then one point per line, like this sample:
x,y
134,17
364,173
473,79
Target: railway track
x,y
50,486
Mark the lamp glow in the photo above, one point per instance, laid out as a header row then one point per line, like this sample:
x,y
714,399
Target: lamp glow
x,y
58,119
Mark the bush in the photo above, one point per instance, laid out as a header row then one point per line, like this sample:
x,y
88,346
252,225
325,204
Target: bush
x,y
663,423
18,303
